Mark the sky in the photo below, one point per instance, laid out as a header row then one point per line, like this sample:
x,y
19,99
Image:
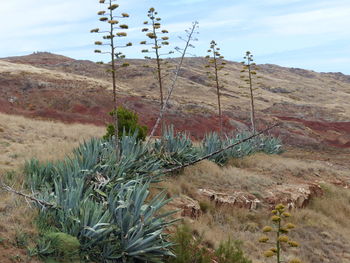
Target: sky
x,y
309,34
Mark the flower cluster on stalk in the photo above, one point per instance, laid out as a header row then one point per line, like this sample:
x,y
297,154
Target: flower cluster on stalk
x,y
280,230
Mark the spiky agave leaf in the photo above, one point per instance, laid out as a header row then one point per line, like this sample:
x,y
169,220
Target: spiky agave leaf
x,y
175,148
139,225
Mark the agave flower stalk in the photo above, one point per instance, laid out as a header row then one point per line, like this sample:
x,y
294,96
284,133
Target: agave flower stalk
x,y
280,229
216,64
250,67
190,37
115,30
157,38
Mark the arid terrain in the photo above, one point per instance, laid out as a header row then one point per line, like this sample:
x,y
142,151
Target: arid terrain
x,y
50,103
313,108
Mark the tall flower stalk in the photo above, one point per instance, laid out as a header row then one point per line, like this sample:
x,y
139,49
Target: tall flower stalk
x,y
157,39
189,39
249,67
114,31
215,64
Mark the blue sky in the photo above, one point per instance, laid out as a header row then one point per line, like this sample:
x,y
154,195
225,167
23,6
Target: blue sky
x,y
310,34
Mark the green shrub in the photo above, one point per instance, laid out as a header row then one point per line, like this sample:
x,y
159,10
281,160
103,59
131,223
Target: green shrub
x,y
187,248
63,245
56,247
127,123
230,252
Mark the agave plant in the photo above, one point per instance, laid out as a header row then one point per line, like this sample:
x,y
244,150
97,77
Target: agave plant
x,y
212,143
135,160
38,175
271,145
175,148
137,225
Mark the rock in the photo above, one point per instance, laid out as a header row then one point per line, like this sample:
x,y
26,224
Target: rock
x,y
293,195
237,199
188,206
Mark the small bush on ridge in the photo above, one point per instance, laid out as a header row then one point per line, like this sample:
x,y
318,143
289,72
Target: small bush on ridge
x,y
127,122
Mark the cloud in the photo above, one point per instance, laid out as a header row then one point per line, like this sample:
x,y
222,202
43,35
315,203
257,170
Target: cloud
x,y
322,21
275,28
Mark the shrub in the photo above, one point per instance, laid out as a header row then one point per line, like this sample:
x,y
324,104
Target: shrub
x,y
63,245
230,252
188,249
127,123
56,246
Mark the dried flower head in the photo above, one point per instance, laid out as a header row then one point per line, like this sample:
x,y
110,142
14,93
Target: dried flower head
x,y
283,238
121,34
284,230
113,22
95,30
264,239
269,253
293,243
290,226
267,229
286,214
151,35
275,218
280,207
124,26
114,6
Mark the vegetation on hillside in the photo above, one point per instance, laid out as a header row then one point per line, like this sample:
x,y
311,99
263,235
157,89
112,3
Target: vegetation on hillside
x,y
127,123
215,64
249,67
115,31
95,204
108,197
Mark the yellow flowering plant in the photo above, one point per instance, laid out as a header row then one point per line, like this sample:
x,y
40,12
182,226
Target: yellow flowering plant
x,y
279,230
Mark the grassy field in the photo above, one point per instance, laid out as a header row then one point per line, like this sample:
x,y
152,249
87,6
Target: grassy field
x,y
21,139
322,227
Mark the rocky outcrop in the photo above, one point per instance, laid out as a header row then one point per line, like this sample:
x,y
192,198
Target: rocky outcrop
x,y
293,195
187,206
237,199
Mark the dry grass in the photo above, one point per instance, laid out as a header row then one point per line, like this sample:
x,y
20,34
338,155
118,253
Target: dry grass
x,y
21,139
323,227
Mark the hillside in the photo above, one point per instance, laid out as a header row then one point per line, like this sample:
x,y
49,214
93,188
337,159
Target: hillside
x,y
313,107
217,202
293,177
